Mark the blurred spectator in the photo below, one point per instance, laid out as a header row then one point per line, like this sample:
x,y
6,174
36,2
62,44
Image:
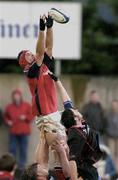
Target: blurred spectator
x,y
106,167
94,114
18,117
112,130
7,167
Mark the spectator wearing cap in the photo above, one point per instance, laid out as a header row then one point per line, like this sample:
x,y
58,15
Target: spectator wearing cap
x,y
18,118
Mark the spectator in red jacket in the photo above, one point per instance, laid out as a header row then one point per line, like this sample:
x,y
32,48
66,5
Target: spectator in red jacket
x,y
18,117
7,167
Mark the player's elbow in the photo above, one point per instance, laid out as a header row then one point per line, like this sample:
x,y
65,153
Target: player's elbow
x,y
49,51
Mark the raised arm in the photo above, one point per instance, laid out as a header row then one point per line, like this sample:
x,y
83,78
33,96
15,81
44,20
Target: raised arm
x,y
42,159
49,36
60,149
40,47
73,170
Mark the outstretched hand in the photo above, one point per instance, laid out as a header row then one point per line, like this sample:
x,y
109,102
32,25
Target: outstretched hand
x,y
42,22
49,21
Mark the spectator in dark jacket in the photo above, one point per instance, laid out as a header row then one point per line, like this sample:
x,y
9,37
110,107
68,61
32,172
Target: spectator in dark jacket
x,y
112,130
18,117
7,167
94,114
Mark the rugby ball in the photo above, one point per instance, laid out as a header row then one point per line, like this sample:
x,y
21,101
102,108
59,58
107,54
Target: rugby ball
x,y
58,16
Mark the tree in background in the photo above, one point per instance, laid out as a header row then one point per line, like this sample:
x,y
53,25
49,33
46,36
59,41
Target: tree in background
x,y
100,39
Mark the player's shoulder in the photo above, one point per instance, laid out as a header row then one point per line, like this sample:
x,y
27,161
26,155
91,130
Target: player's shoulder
x,y
72,132
75,132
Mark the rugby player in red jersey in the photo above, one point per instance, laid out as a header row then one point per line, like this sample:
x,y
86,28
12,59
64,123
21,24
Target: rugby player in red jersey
x,y
37,69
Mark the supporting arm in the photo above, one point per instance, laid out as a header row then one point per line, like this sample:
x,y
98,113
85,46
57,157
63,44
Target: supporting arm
x,y
60,149
42,152
73,170
64,95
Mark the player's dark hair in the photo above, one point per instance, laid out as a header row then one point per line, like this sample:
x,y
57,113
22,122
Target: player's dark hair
x,y
7,162
30,173
19,54
68,118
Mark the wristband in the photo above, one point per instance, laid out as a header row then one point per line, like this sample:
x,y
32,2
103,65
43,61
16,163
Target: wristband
x,y
42,25
55,78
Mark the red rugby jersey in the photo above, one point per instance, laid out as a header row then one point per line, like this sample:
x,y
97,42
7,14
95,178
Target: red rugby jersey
x,y
42,87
